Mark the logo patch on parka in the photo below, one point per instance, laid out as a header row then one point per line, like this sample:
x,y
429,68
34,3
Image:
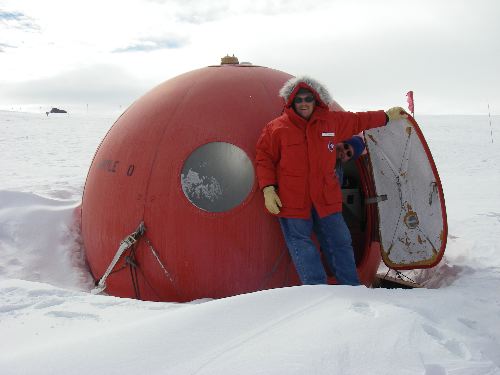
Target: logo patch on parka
x,y
331,146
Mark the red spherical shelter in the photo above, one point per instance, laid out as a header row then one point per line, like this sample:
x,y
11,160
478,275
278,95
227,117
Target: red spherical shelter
x,y
180,160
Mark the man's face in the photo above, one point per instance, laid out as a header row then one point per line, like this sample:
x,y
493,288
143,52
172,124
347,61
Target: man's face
x,y
303,104
344,151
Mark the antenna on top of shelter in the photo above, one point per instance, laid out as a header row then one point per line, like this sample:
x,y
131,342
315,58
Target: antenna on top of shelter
x,y
229,60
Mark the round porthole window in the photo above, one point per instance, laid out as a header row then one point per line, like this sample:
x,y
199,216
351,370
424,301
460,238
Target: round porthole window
x,y
217,177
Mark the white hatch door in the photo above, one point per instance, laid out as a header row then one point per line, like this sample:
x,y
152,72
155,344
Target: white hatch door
x,y
410,200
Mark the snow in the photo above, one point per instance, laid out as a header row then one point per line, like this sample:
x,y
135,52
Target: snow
x,y
51,324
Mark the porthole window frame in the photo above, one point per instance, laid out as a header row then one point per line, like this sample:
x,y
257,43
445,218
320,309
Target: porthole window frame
x,y
233,210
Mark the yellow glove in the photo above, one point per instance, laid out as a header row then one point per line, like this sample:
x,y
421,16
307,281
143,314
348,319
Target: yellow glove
x,y
272,201
396,113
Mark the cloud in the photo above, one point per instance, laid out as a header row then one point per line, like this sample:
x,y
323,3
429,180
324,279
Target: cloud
x,y
3,46
148,45
105,85
369,54
202,11
8,16
195,11
13,26
17,20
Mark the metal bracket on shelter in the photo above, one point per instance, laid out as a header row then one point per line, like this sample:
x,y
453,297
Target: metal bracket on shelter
x,y
376,199
125,244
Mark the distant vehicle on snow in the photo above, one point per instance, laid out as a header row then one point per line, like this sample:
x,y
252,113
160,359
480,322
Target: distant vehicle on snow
x,y
56,110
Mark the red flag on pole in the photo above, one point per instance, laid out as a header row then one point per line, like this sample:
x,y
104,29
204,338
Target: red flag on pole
x,y
409,99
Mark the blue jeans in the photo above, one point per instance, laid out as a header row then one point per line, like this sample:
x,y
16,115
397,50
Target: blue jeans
x,y
335,241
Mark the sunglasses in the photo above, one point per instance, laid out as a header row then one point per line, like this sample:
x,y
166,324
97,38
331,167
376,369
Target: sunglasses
x,y
348,151
307,99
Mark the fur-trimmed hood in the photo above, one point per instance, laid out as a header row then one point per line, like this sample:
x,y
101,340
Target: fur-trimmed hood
x,y
293,85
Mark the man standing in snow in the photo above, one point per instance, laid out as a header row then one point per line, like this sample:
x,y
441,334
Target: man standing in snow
x,y
296,157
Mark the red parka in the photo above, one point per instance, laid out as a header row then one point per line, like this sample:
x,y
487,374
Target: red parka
x,y
298,155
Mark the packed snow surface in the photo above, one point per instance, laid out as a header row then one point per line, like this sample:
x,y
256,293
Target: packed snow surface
x,y
51,324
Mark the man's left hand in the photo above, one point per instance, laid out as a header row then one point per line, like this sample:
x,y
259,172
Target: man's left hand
x,y
396,113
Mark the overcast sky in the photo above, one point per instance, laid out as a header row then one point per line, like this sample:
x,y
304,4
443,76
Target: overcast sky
x,y
369,53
